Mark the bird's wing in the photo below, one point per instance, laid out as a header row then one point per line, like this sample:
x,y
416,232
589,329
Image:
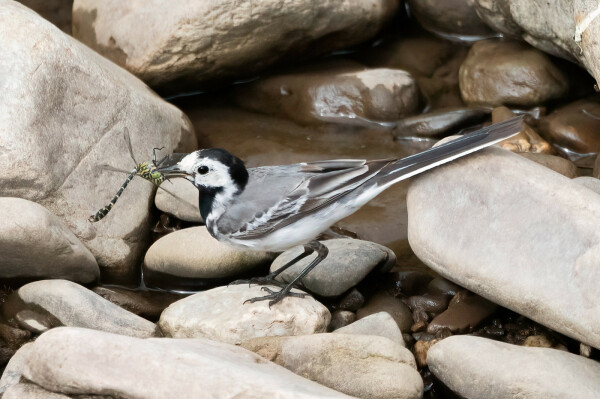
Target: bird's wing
x,y
290,195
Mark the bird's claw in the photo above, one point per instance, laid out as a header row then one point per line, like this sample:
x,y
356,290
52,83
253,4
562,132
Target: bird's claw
x,y
275,296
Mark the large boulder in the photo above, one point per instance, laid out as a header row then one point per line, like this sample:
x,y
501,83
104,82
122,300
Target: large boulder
x,y
189,44
64,111
516,233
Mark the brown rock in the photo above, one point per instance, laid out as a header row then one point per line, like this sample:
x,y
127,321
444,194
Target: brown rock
x,y
438,123
465,312
340,92
556,163
383,302
453,18
420,350
341,318
56,11
189,44
575,130
526,141
509,73
147,304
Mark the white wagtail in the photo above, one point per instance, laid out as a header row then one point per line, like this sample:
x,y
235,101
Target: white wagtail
x,y
274,208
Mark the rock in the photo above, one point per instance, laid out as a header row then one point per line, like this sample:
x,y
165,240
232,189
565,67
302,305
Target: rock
x,y
549,27
497,224
84,103
189,368
465,313
420,350
364,366
573,129
475,367
339,92
557,164
24,390
383,220
381,324
589,182
160,42
383,302
587,27
56,11
191,258
411,281
184,206
527,141
70,304
352,301
36,244
438,123
488,76
220,314
340,319
146,304
428,302
596,170
13,337
456,19
347,264
442,286
14,369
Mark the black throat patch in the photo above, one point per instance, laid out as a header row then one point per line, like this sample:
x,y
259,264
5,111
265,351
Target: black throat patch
x,y
206,200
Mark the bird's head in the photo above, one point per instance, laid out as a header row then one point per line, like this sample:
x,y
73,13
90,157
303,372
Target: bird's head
x,y
212,170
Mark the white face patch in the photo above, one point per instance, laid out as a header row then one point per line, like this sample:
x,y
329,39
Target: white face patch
x,y
217,176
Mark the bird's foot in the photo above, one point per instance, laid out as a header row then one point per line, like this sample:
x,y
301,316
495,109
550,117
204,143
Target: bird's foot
x,y
267,280
276,296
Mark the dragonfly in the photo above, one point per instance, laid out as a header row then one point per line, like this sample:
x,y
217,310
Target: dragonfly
x,y
146,170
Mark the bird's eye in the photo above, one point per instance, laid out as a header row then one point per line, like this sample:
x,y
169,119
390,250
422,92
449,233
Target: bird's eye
x,y
203,169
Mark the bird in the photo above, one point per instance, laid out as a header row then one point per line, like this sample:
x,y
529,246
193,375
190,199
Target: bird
x,y
275,208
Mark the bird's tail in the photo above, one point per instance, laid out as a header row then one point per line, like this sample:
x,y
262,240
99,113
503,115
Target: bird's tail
x,y
415,164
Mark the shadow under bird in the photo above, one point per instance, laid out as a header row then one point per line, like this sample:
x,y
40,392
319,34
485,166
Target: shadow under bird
x,y
274,208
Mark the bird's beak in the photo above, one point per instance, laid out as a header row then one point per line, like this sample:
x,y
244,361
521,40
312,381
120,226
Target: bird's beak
x,y
170,167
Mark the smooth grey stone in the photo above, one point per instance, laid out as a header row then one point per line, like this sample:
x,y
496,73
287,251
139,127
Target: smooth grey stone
x,y
364,366
526,233
475,367
73,305
184,205
158,368
221,314
35,244
348,263
381,324
14,369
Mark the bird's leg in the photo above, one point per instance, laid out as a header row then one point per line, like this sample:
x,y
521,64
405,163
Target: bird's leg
x,y
270,278
275,297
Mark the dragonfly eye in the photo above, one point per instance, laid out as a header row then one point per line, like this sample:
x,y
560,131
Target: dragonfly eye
x,y
203,169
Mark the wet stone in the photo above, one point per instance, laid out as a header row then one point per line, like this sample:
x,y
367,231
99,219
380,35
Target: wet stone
x,y
430,302
556,163
487,77
358,365
348,263
383,302
438,123
466,363
443,286
13,337
341,318
411,281
380,324
454,19
352,301
65,303
220,314
574,129
147,304
337,91
527,141
191,258
465,312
